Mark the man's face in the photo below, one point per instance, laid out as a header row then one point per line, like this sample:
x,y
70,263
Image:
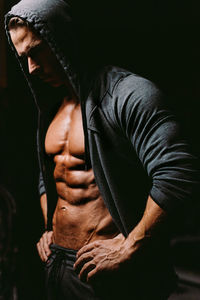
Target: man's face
x,y
41,60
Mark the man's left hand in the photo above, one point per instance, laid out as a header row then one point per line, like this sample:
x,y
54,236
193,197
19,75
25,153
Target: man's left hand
x,y
102,256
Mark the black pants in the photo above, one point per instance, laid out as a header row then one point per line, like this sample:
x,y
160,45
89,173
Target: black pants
x,y
62,282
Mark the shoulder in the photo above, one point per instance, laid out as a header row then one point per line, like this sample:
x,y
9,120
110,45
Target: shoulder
x,y
134,93
137,88
121,83
127,96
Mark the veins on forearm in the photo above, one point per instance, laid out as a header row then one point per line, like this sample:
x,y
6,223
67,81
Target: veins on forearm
x,y
151,224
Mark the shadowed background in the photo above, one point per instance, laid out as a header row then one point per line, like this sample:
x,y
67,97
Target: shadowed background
x,y
157,39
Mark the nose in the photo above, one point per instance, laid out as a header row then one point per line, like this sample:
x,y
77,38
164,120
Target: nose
x,y
33,66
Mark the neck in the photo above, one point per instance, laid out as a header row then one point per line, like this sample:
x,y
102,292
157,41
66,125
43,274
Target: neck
x,y
69,92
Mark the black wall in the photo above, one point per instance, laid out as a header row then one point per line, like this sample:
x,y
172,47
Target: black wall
x,y
157,39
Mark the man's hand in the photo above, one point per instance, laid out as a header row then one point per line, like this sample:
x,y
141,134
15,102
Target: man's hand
x,y
110,255
43,245
101,256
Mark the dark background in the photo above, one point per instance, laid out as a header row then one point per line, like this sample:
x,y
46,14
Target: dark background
x,y
157,39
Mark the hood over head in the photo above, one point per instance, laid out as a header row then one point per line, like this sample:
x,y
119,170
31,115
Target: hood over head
x,y
52,21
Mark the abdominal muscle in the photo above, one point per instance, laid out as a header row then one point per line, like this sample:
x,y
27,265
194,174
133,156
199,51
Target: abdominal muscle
x,y
80,216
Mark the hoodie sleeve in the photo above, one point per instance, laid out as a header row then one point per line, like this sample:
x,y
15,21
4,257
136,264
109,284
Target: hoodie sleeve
x,y
142,114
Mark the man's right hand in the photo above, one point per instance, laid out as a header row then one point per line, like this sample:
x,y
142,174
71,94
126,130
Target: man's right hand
x,y
43,245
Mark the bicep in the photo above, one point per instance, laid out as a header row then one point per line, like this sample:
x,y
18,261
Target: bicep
x,y
156,137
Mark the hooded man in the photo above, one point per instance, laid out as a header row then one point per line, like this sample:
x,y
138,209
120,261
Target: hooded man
x,y
113,166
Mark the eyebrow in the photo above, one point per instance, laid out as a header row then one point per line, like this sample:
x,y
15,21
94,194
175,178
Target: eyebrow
x,y
31,50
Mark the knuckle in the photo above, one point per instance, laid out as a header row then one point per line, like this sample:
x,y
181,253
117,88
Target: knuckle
x,y
96,244
95,260
82,250
82,257
85,255
94,252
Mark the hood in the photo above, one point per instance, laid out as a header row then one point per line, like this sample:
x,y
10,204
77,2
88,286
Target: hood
x,y
52,20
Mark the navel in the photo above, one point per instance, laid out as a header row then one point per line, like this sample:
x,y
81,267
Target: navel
x,y
64,208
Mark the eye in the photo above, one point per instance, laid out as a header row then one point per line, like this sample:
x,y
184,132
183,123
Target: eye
x,y
33,52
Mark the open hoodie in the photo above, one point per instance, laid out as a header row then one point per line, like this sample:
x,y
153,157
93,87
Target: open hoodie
x,y
132,141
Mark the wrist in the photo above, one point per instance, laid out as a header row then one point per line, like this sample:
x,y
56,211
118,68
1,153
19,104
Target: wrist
x,y
136,240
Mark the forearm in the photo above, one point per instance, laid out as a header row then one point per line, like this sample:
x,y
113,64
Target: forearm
x,y
151,223
109,255
43,203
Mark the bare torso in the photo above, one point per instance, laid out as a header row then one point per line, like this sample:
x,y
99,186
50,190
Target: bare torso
x,y
80,216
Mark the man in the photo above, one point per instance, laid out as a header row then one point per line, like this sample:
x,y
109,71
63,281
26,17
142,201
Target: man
x,y
113,165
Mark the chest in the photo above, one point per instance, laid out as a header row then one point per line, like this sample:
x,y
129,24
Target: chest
x,y
65,132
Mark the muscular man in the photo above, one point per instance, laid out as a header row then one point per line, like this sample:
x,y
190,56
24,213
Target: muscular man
x,y
113,165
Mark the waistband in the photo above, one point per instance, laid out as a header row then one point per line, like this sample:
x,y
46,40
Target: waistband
x,y
58,247
67,253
